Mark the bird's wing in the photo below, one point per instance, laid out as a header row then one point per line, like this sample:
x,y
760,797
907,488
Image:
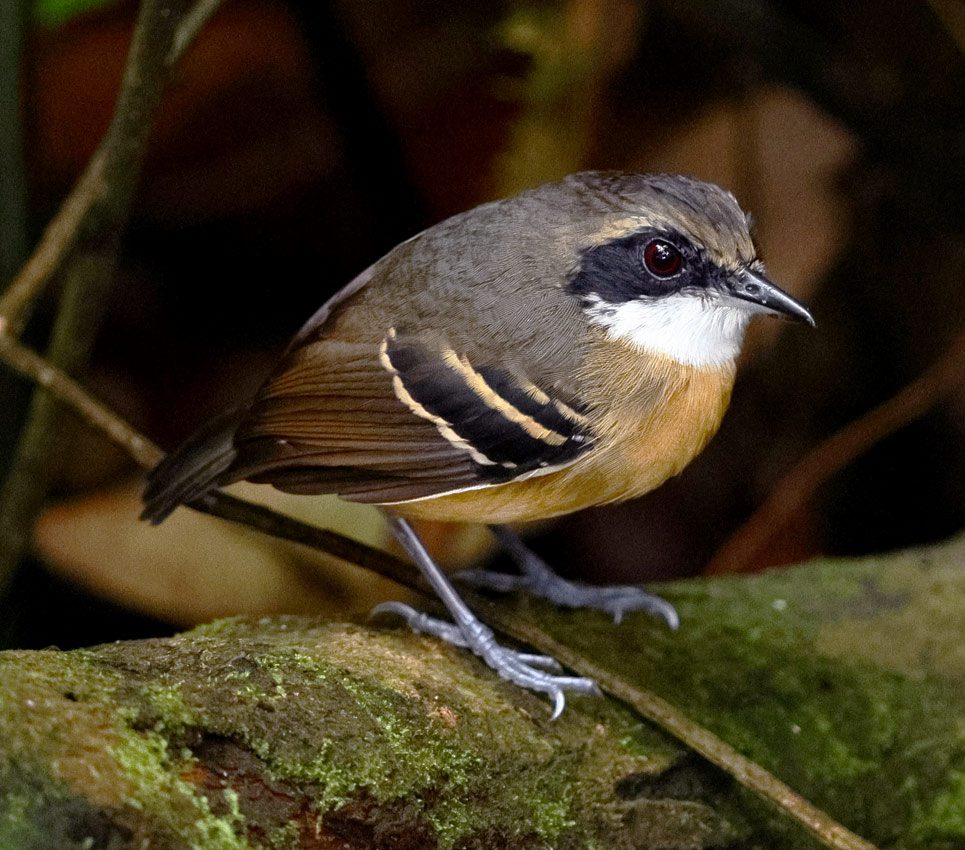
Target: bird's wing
x,y
405,418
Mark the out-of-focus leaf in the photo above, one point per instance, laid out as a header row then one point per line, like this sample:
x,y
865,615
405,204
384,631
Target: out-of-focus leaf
x,y
575,49
193,567
53,13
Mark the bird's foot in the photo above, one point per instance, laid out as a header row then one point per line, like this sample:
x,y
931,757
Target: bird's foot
x,y
615,600
539,579
535,672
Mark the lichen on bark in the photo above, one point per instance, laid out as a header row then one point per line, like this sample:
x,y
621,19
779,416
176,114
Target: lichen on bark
x,y
844,678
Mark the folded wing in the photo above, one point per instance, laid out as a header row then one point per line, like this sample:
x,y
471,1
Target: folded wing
x,y
404,419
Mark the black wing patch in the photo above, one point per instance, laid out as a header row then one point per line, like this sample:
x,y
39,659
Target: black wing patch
x,y
407,418
508,426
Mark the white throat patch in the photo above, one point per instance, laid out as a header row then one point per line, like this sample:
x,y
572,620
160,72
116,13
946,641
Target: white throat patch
x,y
698,331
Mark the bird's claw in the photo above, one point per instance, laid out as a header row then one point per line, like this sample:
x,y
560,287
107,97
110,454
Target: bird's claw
x,y
621,599
534,672
613,600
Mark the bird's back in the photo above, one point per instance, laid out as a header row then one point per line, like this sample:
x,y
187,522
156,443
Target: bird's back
x,y
482,283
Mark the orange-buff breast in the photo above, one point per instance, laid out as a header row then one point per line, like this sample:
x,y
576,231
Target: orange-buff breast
x,y
651,416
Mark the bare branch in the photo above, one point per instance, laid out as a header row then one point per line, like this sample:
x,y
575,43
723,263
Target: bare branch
x,y
192,22
67,390
59,237
65,228
81,244
792,492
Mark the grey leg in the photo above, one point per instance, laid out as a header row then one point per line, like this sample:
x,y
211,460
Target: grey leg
x,y
537,578
524,669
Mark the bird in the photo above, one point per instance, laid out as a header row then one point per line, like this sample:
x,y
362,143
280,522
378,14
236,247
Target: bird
x,y
574,345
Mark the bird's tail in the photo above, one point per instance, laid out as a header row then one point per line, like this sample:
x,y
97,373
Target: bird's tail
x,y
198,465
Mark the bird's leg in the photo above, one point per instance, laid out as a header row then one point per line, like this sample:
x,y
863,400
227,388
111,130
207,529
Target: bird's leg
x,y
540,580
467,630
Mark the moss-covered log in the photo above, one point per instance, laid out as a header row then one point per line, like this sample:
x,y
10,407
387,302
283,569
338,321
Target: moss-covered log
x,y
845,678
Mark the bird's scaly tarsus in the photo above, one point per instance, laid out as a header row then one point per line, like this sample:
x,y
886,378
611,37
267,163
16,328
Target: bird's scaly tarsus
x,y
535,672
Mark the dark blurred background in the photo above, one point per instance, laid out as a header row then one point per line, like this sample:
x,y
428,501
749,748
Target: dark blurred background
x,y
301,139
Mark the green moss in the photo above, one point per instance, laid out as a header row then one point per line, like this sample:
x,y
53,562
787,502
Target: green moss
x,y
373,739
16,824
346,711
387,743
283,837
223,627
943,823
777,666
494,758
155,786
167,702
311,721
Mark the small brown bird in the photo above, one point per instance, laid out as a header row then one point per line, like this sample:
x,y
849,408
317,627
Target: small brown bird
x,y
568,347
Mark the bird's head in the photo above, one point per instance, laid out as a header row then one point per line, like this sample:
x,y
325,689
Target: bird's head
x,y
673,269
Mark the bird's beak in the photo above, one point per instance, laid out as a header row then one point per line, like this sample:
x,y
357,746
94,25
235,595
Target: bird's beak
x,y
750,286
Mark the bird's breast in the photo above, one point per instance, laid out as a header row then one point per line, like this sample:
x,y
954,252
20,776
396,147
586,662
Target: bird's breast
x,y
651,416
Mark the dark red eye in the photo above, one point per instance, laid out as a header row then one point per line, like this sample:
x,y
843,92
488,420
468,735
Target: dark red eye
x,y
661,258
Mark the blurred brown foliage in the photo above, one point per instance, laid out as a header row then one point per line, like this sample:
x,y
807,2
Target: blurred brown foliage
x,y
302,139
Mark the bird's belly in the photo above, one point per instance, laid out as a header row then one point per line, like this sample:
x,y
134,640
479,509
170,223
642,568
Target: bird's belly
x,y
636,461
582,486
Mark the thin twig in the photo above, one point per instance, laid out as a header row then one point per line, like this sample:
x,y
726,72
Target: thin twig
x,y
650,706
65,228
59,237
81,245
87,272
31,365
192,22
791,494
13,182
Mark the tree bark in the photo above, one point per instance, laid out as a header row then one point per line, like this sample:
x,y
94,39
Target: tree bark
x,y
845,678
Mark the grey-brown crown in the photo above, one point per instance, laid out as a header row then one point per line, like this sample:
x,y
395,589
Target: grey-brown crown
x,y
705,214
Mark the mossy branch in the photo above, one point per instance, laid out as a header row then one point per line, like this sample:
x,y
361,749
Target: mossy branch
x,y
289,733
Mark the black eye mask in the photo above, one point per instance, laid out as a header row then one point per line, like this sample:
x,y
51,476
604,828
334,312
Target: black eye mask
x,y
628,268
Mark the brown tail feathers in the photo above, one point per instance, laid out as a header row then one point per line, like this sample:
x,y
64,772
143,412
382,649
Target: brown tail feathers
x,y
202,463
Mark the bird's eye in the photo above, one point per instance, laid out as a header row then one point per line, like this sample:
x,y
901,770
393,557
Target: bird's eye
x,y
662,259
